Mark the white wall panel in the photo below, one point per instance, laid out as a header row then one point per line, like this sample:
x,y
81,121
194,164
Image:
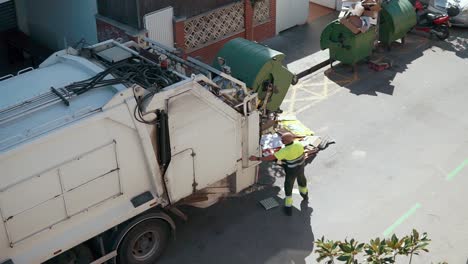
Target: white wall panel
x,y
160,27
290,13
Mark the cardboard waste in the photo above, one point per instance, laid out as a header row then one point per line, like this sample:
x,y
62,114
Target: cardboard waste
x,y
359,16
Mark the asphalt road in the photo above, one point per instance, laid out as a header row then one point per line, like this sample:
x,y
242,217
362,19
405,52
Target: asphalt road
x,y
400,162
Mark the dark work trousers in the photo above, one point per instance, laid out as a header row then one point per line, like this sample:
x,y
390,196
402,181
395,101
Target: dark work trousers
x,y
291,175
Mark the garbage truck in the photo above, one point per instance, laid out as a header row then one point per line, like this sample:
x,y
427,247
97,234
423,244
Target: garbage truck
x,y
99,145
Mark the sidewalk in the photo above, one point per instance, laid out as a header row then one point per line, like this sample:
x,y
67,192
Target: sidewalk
x,y
316,11
301,44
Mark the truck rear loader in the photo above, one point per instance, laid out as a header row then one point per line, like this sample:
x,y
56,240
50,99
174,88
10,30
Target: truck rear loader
x,y
97,144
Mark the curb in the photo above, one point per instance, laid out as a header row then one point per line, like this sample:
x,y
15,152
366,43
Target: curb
x,y
309,64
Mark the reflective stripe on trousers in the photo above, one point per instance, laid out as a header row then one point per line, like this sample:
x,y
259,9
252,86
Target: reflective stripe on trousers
x,y
303,190
288,201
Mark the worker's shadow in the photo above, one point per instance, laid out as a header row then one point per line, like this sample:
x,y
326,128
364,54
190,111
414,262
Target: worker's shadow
x,y
240,230
271,172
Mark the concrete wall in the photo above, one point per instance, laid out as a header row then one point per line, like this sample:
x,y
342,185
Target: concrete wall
x,y
59,23
252,32
267,30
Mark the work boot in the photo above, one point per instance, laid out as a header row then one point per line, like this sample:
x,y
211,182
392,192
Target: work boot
x,y
288,210
305,196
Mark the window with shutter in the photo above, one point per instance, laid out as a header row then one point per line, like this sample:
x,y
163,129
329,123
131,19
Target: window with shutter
x,y
7,15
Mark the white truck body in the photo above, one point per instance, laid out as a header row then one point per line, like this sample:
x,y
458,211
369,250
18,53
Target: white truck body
x,y
69,173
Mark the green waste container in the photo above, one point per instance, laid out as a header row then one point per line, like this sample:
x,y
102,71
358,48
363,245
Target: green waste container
x,y
257,65
397,17
344,45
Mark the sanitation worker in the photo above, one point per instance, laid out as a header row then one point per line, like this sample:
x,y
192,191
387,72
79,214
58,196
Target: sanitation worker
x,y
293,160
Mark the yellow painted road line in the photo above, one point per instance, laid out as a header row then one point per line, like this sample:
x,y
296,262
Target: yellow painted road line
x,y
307,106
329,93
338,74
346,79
355,76
325,86
293,100
318,96
312,98
343,82
311,85
310,92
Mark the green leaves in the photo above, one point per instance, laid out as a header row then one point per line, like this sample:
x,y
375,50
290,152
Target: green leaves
x,y
344,258
345,248
326,249
415,234
415,244
377,251
350,249
342,251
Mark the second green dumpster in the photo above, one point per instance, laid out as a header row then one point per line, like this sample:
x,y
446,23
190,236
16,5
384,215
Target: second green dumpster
x,y
397,17
344,45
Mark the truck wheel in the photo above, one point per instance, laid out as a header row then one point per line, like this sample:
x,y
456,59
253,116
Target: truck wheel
x,y
144,243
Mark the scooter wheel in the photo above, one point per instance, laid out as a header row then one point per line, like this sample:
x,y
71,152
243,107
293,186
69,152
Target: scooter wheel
x,y
442,32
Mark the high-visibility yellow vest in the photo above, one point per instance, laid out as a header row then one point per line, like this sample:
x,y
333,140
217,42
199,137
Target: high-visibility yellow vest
x,y
292,155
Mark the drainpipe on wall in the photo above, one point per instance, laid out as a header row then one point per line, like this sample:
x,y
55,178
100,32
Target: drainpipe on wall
x,y
179,32
139,15
248,20
65,43
22,15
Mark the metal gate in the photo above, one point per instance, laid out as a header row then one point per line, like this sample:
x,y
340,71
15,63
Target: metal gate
x,y
7,15
160,27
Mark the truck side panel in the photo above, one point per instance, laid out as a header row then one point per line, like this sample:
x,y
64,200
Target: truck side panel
x,y
77,181
205,141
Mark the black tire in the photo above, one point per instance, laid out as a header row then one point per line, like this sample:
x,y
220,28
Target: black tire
x,y
144,243
442,32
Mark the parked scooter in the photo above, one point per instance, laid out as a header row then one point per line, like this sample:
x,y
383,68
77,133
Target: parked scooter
x,y
434,23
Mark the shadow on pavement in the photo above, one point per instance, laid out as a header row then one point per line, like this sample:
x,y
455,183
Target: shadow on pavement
x,y
457,42
401,55
300,41
240,230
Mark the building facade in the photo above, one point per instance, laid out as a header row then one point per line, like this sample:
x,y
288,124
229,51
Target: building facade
x,y
199,28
